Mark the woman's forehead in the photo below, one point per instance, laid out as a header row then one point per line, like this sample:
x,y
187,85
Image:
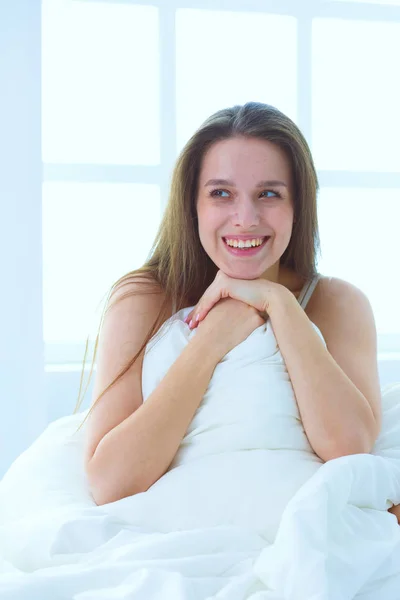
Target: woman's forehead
x,y
245,161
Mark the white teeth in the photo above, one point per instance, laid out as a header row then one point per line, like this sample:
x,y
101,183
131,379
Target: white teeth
x,y
244,244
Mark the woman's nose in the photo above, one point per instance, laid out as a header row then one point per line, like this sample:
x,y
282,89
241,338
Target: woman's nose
x,y
245,214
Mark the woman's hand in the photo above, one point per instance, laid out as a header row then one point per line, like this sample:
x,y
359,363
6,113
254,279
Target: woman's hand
x,y
258,293
228,324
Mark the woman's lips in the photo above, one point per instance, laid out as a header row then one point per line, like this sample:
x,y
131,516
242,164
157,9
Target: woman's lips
x,y
246,251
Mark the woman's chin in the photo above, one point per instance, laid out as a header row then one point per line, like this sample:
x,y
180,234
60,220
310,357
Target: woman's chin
x,y
244,272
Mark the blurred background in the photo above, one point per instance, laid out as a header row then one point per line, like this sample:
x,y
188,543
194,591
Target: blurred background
x,y
96,101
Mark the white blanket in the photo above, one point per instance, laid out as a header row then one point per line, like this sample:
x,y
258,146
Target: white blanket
x,y
246,510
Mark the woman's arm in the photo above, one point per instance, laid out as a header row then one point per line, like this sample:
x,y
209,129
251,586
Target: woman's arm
x,y
396,511
130,444
336,388
136,453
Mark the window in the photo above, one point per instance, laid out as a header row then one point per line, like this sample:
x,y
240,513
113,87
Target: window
x,y
124,87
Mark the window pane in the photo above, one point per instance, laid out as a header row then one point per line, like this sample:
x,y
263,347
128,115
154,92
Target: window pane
x,y
100,83
226,58
360,243
93,233
356,95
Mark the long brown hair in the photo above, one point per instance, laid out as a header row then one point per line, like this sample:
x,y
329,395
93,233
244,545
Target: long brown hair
x,y
177,262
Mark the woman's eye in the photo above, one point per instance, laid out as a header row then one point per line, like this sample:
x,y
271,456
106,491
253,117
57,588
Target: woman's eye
x,y
216,193
275,194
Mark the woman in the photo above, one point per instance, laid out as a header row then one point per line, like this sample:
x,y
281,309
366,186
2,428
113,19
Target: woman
x,y
238,241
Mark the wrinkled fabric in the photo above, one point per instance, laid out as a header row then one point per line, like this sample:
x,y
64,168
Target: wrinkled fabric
x,y
246,510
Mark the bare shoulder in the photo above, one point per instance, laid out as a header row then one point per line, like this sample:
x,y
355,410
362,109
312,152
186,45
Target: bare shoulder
x,y
136,302
136,285
336,301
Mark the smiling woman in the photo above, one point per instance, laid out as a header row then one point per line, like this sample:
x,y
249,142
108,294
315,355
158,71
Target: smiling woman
x,y
247,177
230,376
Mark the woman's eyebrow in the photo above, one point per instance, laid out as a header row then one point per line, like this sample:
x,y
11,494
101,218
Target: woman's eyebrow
x,y
260,184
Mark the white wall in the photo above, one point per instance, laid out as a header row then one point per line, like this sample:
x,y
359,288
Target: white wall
x,y
22,401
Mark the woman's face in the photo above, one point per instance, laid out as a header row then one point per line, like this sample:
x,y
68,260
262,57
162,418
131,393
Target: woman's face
x,y
245,193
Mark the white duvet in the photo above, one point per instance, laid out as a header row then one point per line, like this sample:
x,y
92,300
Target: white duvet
x,y
246,510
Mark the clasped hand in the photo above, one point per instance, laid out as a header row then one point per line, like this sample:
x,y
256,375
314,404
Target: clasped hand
x,y
259,293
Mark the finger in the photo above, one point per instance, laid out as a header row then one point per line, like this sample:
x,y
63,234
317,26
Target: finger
x,y
194,319
191,314
210,297
203,309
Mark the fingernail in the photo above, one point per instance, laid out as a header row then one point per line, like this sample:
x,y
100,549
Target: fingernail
x,y
197,317
191,323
